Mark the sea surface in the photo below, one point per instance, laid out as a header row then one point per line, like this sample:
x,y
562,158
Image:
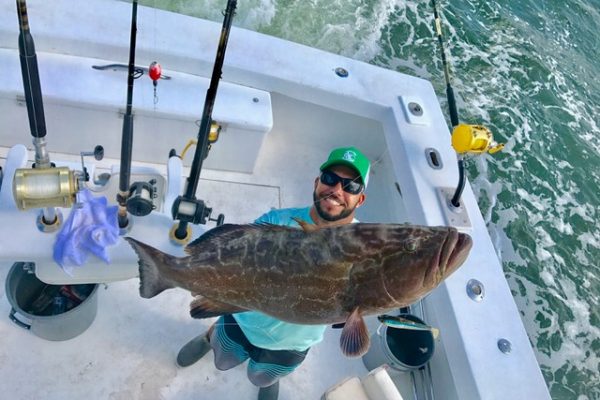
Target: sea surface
x,y
530,71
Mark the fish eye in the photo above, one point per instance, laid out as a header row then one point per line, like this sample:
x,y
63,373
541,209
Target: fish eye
x,y
410,246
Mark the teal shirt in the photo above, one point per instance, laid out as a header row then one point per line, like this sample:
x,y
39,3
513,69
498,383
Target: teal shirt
x,y
268,332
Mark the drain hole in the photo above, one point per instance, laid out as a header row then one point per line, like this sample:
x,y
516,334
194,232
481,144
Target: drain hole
x,y
433,158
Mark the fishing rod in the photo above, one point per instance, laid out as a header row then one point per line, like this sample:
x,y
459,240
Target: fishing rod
x,y
473,139
127,133
187,209
449,91
43,186
451,105
32,86
133,198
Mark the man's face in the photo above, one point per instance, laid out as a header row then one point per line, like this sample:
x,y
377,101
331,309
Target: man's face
x,y
332,203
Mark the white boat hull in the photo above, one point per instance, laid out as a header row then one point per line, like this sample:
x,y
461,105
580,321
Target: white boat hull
x,y
268,157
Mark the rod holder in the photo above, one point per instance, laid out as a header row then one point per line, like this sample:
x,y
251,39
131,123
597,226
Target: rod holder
x,y
42,158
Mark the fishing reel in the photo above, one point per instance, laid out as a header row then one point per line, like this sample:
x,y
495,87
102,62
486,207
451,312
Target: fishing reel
x,y
474,139
193,211
213,136
140,201
45,187
190,212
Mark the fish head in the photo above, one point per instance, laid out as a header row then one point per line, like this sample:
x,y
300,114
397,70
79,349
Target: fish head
x,y
419,258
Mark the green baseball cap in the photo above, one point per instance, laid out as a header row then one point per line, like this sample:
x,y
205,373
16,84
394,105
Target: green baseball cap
x,y
350,157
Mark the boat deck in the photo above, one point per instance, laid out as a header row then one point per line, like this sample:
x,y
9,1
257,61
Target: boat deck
x,y
129,353
282,113
129,350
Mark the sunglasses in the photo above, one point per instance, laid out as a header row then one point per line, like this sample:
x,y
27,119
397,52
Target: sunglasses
x,y
349,185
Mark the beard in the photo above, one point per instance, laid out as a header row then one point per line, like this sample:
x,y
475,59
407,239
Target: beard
x,y
327,216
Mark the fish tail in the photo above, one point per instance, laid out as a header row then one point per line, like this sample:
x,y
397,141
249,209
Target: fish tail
x,y
150,261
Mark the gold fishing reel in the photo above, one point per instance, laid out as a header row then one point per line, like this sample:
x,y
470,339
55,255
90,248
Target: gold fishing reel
x,y
213,136
474,139
45,187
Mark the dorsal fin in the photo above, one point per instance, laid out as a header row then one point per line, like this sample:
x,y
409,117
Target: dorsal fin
x,y
306,227
228,232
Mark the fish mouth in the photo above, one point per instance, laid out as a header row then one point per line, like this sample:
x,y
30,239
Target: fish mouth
x,y
454,252
461,250
458,251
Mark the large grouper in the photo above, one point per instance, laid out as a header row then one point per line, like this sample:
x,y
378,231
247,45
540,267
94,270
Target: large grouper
x,y
308,276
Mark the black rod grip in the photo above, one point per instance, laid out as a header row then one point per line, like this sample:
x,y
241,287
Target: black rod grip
x,y
31,76
126,152
452,105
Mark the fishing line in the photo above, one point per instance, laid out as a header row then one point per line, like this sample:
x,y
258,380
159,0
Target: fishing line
x,y
155,98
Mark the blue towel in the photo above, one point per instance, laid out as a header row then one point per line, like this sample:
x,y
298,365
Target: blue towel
x,y
91,227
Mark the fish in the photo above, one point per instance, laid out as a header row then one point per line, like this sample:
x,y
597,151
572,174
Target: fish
x,y
399,322
312,275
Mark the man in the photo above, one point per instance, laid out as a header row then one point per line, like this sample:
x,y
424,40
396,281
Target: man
x,y
276,348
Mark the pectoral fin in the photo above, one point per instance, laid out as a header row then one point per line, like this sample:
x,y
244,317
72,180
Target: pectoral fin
x,y
355,340
201,307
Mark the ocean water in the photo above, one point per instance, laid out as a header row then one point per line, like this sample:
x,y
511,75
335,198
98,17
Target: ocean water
x,y
529,71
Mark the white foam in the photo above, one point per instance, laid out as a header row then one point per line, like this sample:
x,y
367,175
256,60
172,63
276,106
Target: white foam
x,y
249,14
563,227
536,201
585,211
548,278
581,257
589,239
544,238
576,335
564,164
542,254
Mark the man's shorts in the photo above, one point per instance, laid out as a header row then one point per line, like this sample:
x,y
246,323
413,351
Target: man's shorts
x,y
231,348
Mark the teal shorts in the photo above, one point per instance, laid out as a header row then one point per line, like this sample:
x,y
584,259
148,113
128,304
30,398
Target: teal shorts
x,y
231,348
